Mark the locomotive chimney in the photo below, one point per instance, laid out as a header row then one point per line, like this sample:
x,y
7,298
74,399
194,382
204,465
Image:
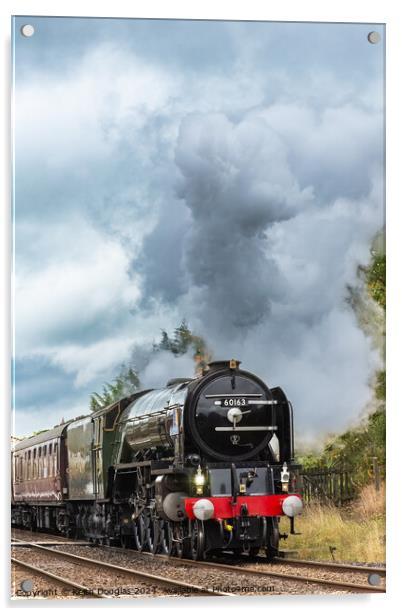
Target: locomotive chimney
x,y
221,364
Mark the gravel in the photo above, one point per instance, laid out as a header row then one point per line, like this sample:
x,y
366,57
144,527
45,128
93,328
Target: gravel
x,y
27,535
119,585
114,584
247,584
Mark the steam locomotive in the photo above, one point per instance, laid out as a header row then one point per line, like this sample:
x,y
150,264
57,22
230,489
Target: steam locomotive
x,y
200,466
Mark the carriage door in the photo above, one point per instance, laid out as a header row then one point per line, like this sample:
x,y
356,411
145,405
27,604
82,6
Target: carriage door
x,y
97,458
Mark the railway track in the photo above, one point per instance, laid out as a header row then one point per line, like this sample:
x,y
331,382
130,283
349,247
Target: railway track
x,y
241,570
267,572
278,575
184,587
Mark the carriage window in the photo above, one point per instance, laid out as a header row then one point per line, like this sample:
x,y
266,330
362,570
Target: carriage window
x,y
29,465
20,468
45,462
40,462
98,430
50,465
55,459
34,464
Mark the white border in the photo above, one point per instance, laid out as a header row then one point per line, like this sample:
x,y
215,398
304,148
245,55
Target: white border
x,y
367,11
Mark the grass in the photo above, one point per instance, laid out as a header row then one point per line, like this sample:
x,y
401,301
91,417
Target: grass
x,y
357,532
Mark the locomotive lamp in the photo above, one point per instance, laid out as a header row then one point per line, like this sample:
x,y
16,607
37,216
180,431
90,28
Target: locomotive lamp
x,y
199,481
203,509
285,476
292,506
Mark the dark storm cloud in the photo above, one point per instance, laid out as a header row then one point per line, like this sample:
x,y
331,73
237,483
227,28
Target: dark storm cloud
x,y
270,261
161,257
236,181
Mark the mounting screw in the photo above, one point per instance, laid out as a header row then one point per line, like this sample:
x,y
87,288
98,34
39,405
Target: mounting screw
x,y
374,37
26,585
374,579
27,30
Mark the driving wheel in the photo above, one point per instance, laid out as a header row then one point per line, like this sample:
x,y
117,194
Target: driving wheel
x,y
197,540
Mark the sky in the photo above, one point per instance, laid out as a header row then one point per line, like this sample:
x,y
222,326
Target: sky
x,y
228,173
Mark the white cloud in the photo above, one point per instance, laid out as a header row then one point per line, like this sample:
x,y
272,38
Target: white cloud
x,y
28,420
75,118
335,147
83,282
164,366
92,360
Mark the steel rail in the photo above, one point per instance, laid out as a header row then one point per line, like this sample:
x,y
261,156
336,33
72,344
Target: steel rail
x,y
334,566
57,578
131,572
20,543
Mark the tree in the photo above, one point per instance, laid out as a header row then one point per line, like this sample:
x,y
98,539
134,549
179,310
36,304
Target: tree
x,y
183,341
376,278
126,383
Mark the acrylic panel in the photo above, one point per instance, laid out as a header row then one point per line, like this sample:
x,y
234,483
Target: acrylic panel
x,y
198,304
